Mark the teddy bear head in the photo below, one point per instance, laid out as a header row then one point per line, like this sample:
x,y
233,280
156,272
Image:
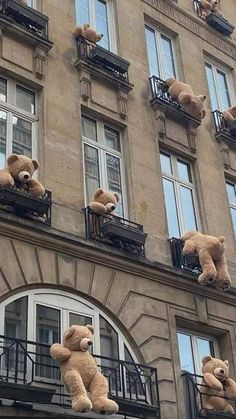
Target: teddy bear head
x,y
193,104
216,367
106,201
233,111
78,338
91,34
21,167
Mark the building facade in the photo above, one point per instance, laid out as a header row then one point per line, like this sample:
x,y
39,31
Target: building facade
x,y
100,116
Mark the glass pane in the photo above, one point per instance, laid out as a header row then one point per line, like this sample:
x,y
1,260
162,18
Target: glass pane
x,y
231,193
102,22
185,352
25,99
82,12
3,89
79,319
110,349
92,181
188,209
223,90
3,136
204,348
166,164
233,215
168,60
112,138
22,136
89,128
212,88
152,53
114,180
171,209
184,171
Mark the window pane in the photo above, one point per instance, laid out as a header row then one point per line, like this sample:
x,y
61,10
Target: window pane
x,y
171,210
3,133
152,53
166,164
82,12
231,193
25,99
185,352
3,89
223,90
16,318
102,22
233,215
112,138
168,61
184,171
114,180
110,349
212,88
79,319
22,137
188,209
204,348
89,128
92,181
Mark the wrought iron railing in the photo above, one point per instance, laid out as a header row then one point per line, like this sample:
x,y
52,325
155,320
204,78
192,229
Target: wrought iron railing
x,y
28,365
198,8
195,390
114,230
227,129
159,91
188,263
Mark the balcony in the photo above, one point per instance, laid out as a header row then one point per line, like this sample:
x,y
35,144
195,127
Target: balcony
x,y
29,374
194,403
25,205
116,231
219,23
189,263
224,131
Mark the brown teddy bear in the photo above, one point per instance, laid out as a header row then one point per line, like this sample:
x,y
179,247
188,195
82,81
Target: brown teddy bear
x,y
209,6
19,172
104,202
230,114
80,373
87,32
216,384
210,251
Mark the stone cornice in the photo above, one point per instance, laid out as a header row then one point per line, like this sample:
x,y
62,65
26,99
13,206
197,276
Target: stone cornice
x,y
195,25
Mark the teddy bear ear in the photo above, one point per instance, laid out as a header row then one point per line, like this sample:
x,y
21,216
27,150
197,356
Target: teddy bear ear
x,y
91,328
226,362
12,158
98,193
202,97
206,359
36,164
117,196
69,332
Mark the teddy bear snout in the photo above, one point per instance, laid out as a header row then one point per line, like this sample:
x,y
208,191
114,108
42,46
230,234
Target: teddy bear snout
x,y
85,344
110,207
24,176
90,342
222,371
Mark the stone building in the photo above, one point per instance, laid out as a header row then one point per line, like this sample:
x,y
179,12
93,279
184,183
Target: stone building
x,y
100,116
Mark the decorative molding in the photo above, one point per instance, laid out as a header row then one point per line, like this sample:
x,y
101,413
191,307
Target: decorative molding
x,y
39,62
191,130
160,124
224,148
122,99
194,25
85,88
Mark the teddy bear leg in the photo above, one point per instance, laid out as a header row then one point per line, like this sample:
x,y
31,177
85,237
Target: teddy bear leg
x,y
223,281
98,393
78,393
36,188
97,207
228,408
209,272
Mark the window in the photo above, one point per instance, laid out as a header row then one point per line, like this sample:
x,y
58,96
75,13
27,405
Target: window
x,y
160,54
103,165
99,13
219,85
231,192
32,3
17,120
192,348
179,195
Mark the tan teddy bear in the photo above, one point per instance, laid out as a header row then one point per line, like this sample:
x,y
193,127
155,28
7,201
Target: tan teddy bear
x,y
87,32
208,6
210,251
104,202
19,171
80,373
183,93
230,114
216,384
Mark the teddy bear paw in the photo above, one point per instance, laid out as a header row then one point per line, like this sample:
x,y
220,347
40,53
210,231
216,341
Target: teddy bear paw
x,y
224,285
205,279
105,406
81,404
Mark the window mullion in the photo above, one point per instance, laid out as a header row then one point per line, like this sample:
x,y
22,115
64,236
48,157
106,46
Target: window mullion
x,y
92,14
214,72
9,134
159,53
179,207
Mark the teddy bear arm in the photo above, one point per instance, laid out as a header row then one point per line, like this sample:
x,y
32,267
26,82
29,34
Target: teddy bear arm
x,y
228,116
6,178
59,352
212,381
189,247
97,207
37,189
230,388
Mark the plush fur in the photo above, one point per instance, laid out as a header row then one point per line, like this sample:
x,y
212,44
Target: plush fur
x,y
104,202
80,373
230,114
20,169
216,384
210,6
183,93
87,32
211,253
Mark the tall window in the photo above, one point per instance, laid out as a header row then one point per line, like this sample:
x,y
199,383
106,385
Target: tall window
x,y
102,160
17,120
99,13
160,54
179,195
219,87
192,348
231,191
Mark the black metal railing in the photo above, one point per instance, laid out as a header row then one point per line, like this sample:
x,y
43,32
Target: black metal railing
x,y
227,129
159,91
188,263
114,230
215,20
27,365
199,9
103,58
195,389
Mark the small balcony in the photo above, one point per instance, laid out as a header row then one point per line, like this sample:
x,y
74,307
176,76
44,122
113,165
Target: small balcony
x,y
194,391
225,131
189,263
28,374
23,204
115,231
219,23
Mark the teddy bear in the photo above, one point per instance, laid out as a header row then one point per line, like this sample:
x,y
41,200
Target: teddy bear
x,y
80,373
104,202
210,251
183,93
230,114
19,172
216,385
208,6
87,32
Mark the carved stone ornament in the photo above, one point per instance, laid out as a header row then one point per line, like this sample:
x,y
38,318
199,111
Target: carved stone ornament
x,y
39,62
225,155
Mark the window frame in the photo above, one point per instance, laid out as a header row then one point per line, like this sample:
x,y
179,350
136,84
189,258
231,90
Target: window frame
x,y
229,80
231,205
